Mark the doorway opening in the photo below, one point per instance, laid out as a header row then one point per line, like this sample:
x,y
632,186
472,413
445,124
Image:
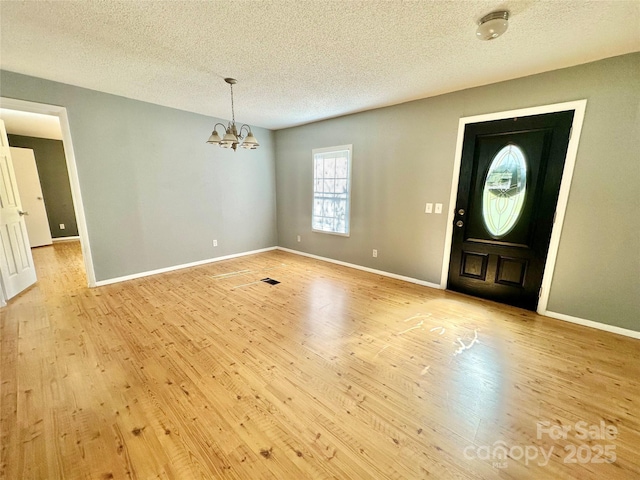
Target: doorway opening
x,y
58,115
490,149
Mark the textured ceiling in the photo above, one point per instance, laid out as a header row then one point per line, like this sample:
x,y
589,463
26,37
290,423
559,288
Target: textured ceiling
x,y
301,61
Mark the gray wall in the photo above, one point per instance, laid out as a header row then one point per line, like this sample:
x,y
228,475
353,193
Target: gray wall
x,y
155,194
54,180
403,157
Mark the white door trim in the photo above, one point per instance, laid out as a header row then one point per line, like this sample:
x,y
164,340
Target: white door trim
x,y
61,113
579,106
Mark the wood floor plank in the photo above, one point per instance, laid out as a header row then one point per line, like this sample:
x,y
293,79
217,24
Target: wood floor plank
x,y
210,373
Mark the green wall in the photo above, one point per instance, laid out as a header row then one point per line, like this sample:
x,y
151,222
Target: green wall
x,y
403,157
155,194
54,180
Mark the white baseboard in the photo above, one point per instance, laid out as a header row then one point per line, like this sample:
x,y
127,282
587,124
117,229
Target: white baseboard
x,y
559,316
365,269
133,276
590,323
65,239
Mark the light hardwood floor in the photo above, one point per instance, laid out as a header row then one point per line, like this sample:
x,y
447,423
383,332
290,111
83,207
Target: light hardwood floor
x,y
207,373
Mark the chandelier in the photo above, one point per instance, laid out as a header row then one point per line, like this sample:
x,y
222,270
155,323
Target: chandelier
x,y
232,135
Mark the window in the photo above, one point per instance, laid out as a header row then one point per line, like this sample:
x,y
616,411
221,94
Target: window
x,y
331,190
504,191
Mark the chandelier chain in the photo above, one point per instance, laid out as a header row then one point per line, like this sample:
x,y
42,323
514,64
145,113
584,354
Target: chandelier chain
x,y
233,114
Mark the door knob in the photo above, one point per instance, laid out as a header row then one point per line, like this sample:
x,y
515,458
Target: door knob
x,y
459,223
39,198
21,213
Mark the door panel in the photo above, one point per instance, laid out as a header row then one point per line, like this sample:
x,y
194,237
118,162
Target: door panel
x,y
508,188
16,263
28,181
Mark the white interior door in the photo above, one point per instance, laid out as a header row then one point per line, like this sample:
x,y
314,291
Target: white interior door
x,y
24,165
16,263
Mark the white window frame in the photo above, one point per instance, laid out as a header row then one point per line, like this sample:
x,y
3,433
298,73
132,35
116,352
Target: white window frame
x,y
316,151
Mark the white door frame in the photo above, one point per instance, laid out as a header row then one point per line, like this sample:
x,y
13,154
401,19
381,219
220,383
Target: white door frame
x,y
579,106
61,113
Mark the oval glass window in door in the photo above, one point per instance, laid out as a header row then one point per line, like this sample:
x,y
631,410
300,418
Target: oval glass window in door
x,y
505,188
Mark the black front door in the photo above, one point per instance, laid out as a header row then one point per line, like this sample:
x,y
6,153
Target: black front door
x,y
510,177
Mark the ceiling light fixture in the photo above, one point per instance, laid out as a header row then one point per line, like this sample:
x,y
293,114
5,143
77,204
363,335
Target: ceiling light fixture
x,y
493,25
233,136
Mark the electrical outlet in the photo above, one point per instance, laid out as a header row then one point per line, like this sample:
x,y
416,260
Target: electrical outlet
x,y
62,226
375,253
215,243
299,238
428,208
438,208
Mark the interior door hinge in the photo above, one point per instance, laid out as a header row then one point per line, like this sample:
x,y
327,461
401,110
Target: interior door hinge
x,y
570,132
540,293
554,217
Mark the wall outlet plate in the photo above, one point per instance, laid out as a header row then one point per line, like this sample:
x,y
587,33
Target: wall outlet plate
x,y
375,253
299,238
215,243
62,226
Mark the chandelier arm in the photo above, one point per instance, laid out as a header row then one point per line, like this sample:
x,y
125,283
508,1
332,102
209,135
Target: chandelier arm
x,y
221,124
244,125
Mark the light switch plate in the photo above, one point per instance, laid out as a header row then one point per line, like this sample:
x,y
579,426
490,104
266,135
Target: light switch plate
x,y
428,208
438,208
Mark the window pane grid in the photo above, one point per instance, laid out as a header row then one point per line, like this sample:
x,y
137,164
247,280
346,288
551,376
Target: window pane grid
x,y
331,192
